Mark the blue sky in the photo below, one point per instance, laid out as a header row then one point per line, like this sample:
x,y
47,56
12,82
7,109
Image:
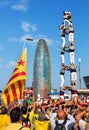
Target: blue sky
x,y
40,19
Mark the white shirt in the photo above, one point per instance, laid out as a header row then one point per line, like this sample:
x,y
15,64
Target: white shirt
x,y
68,124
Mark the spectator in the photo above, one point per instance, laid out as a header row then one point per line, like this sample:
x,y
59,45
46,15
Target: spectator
x,y
15,124
42,123
61,116
29,109
4,118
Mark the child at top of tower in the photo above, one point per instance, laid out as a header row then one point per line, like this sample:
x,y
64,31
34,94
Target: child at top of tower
x,y
67,12
67,17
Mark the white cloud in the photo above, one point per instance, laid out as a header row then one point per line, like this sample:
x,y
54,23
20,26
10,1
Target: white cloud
x,y
19,7
33,27
11,64
13,39
27,27
49,41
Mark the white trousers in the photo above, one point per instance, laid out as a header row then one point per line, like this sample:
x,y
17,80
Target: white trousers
x,y
62,80
71,37
63,41
72,57
73,76
62,58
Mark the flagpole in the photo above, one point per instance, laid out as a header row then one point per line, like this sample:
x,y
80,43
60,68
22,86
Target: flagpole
x,y
26,65
26,39
24,44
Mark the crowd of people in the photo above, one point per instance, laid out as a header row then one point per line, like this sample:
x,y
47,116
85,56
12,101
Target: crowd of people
x,y
54,114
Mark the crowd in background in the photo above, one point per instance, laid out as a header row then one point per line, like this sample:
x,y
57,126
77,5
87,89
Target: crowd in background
x,y
45,115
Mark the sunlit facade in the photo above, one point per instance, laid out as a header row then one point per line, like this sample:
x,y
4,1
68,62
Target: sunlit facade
x,y
42,70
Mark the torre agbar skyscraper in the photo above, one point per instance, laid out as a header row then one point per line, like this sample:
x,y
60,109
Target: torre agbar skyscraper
x,y
42,70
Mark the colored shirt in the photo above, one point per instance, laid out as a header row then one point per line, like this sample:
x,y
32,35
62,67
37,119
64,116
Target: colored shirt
x,y
71,29
72,68
42,125
62,34
82,124
71,48
62,51
15,126
62,70
31,115
4,121
65,16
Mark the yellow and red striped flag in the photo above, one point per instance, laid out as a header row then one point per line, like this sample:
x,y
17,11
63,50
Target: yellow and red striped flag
x,y
14,89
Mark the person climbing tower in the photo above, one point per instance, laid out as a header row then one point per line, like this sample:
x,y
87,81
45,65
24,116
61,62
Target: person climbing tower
x,y
67,17
73,74
71,34
70,49
63,32
62,73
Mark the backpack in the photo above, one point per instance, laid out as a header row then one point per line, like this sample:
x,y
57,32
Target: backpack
x,y
26,121
60,126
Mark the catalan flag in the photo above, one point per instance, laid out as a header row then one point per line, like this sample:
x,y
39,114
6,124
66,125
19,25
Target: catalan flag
x,y
14,89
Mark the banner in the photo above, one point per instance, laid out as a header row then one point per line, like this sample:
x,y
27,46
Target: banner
x,y
14,89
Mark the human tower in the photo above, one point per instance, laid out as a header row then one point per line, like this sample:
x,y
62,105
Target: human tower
x,y
67,38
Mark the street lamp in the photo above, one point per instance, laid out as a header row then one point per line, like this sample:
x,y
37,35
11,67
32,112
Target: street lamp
x,y
79,61
27,39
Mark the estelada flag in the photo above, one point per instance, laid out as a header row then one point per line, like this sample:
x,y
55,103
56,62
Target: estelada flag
x,y
14,89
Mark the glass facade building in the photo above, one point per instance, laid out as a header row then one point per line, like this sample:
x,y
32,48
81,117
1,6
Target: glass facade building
x,y
42,70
